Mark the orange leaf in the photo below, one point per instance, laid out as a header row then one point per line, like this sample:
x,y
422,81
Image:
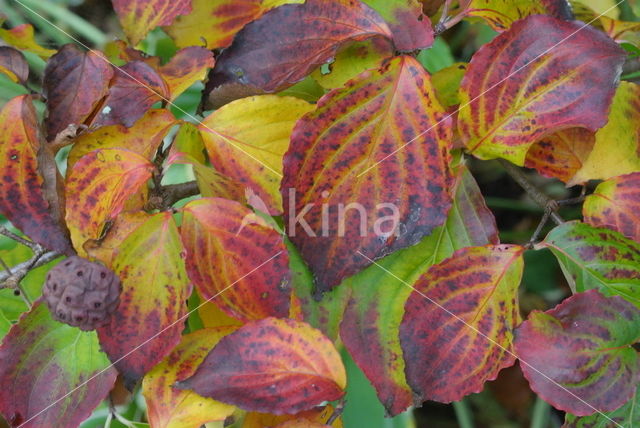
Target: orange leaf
x,y
143,137
98,187
147,324
22,199
186,67
319,415
22,37
271,365
234,257
174,408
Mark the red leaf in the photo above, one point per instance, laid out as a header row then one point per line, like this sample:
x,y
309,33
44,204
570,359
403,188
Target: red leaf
x,y
13,61
138,17
271,365
616,204
74,83
370,324
445,357
148,322
288,42
226,243
42,362
22,198
579,356
539,77
134,89
410,27
344,153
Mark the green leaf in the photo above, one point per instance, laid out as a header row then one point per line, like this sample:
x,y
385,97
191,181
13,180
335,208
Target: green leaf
x,y
627,416
596,258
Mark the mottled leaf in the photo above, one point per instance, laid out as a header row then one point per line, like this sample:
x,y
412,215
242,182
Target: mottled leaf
x,y
147,324
22,37
286,44
14,64
352,60
319,415
369,153
213,24
501,14
98,186
626,416
186,67
596,258
447,83
105,248
370,325
614,203
22,197
138,17
51,374
608,160
458,325
579,356
135,87
539,77
271,365
74,84
175,408
246,140
236,258
143,137
411,29
562,154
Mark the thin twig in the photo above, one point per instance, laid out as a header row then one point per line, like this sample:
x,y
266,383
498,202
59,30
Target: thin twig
x,y
337,411
538,196
9,234
21,270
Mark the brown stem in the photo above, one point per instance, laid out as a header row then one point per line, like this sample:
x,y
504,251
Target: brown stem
x,y
172,193
18,272
337,411
9,234
538,196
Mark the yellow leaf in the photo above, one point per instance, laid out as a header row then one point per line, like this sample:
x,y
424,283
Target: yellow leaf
x,y
169,407
247,138
22,37
617,147
602,7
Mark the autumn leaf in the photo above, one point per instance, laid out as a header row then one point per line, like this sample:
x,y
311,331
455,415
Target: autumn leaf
x,y
214,24
319,416
372,144
52,374
447,83
138,17
98,187
74,84
14,64
541,76
271,365
411,29
236,258
246,141
105,248
501,14
186,67
614,203
608,160
143,137
472,298
174,408
596,258
22,37
286,44
579,356
562,154
626,416
147,324
135,87
22,196
370,325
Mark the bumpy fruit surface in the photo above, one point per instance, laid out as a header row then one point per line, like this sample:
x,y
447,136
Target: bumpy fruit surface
x,y
81,293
